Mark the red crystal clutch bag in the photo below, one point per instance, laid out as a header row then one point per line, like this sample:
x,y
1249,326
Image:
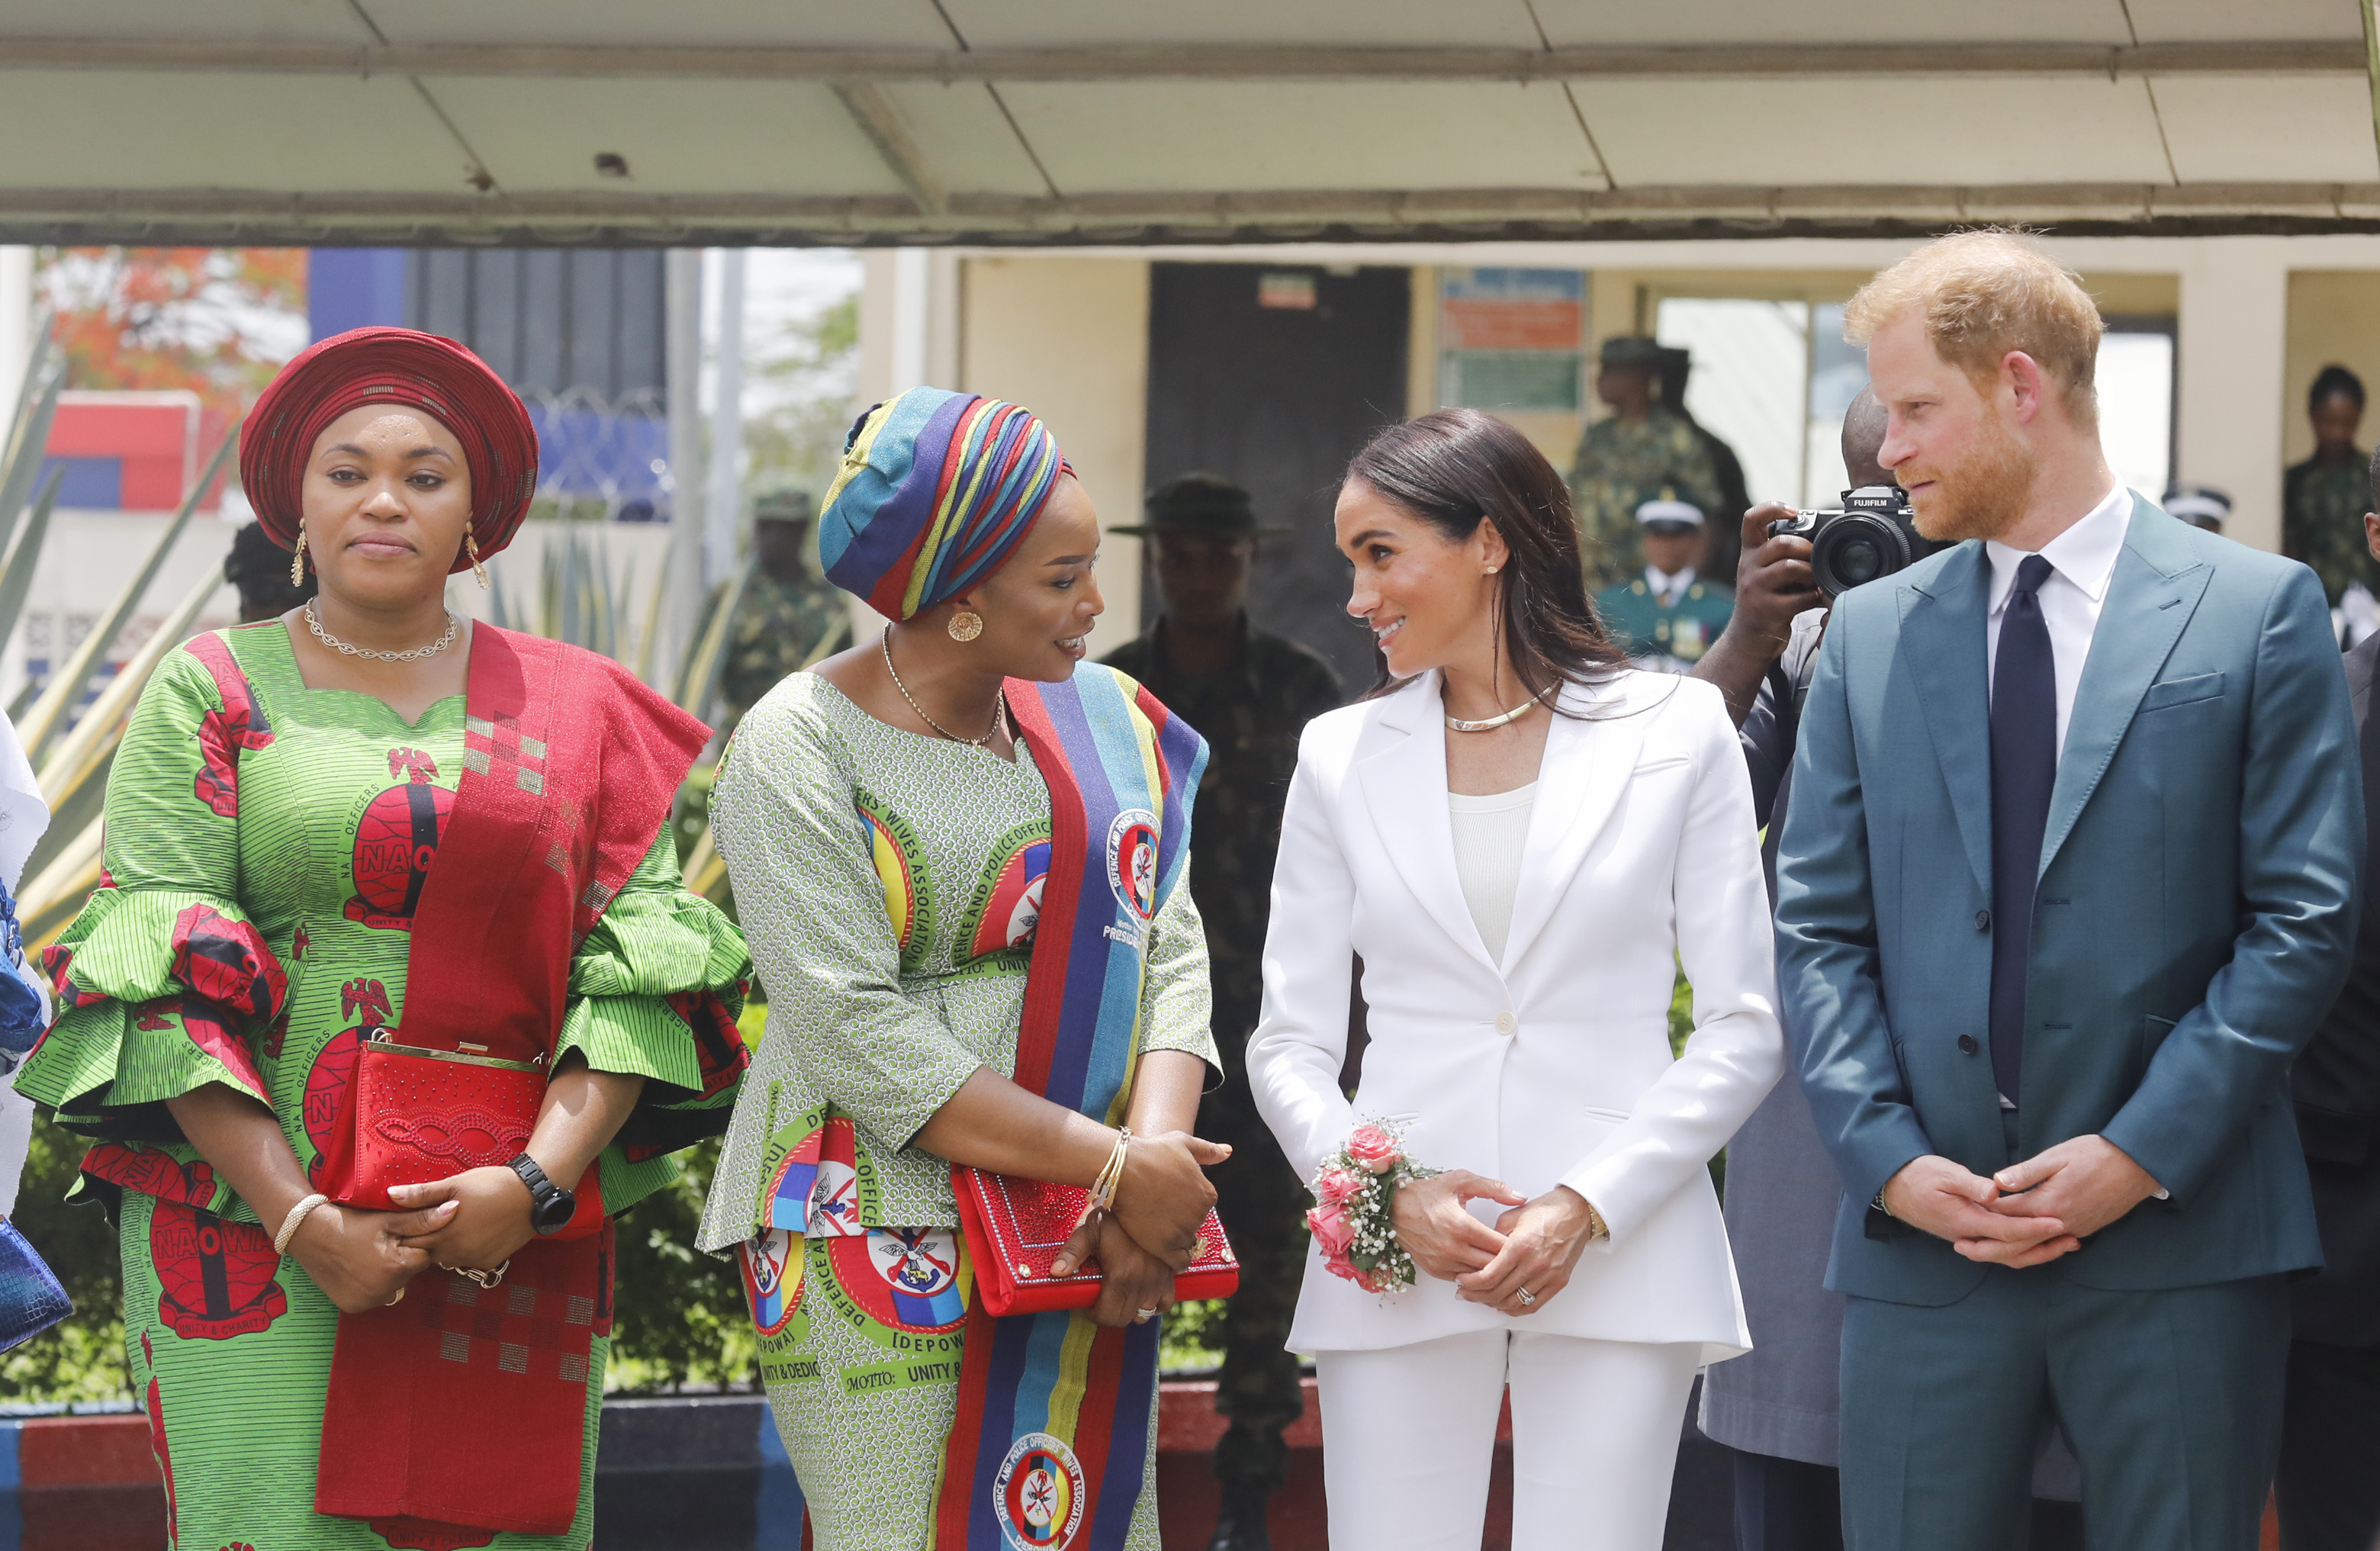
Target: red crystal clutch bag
x,y
1016,1226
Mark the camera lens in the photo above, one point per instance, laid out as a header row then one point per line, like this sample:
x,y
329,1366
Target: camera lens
x,y
1859,560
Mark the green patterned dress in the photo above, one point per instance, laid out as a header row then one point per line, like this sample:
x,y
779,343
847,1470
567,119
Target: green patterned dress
x,y
264,849
890,883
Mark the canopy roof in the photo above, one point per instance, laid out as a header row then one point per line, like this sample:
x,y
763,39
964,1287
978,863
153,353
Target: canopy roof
x,y
611,122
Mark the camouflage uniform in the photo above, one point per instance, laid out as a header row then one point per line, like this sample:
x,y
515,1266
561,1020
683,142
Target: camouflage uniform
x,y
1251,713
780,628
2322,504
1619,466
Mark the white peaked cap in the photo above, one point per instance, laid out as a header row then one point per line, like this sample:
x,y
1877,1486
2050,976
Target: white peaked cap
x,y
1670,511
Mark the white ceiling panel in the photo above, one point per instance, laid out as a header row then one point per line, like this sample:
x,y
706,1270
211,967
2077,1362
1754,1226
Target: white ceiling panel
x,y
964,141
1369,24
2172,21
1202,137
226,20
289,133
678,136
1968,131
1615,23
2269,131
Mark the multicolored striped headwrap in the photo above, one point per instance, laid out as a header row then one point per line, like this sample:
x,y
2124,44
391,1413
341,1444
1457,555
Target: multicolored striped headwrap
x,y
935,489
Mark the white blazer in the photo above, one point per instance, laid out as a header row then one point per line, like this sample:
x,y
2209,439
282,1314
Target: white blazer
x,y
1553,1067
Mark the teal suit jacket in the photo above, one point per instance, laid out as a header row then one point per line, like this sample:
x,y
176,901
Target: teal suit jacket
x,y
2195,913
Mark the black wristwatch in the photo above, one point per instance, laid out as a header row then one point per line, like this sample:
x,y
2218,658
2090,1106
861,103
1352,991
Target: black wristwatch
x,y
550,1208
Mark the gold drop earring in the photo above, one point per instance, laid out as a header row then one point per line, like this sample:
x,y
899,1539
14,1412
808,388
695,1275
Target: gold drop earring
x,y
472,544
965,626
297,559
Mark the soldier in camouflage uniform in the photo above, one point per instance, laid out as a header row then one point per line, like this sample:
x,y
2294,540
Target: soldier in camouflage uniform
x,y
787,618
1629,458
1250,694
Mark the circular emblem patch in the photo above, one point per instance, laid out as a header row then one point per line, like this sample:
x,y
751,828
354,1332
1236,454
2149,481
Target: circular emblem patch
x,y
772,1278
907,1278
1132,860
1039,1493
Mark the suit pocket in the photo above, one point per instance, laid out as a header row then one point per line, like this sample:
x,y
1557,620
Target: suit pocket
x,y
1666,762
1612,1117
2169,693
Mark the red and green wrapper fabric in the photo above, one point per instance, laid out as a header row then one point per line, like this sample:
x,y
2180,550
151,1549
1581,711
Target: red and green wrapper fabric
x,y
1054,1411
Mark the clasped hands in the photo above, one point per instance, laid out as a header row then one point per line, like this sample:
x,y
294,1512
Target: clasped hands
x,y
2029,1212
363,1259
1533,1247
1151,1234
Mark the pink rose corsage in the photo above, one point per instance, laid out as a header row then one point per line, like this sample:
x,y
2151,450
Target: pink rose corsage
x,y
1353,1191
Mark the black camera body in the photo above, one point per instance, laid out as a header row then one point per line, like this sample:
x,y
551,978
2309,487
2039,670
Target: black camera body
x,y
1874,535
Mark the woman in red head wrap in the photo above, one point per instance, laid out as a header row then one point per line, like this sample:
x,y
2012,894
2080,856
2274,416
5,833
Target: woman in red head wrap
x,y
393,993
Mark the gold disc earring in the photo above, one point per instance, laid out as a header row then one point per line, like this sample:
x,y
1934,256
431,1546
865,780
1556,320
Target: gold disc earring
x,y
965,626
472,544
297,559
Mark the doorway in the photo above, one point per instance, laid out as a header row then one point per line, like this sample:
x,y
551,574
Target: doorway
x,y
1272,375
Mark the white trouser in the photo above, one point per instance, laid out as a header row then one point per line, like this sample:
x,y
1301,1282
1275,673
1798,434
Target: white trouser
x,y
1409,1432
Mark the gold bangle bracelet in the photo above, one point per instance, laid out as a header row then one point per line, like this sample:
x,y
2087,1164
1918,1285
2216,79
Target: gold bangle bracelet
x,y
1111,1175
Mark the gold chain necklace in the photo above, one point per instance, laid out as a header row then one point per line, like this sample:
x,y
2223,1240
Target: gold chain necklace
x,y
314,623
999,704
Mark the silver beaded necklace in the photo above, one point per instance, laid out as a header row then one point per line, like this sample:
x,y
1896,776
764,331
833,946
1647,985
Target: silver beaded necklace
x,y
314,623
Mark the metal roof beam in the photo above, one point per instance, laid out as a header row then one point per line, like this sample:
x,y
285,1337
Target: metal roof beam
x,y
602,219
1189,62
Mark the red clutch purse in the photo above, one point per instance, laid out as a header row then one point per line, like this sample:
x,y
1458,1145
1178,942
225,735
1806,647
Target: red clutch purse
x,y
1015,1226
422,1114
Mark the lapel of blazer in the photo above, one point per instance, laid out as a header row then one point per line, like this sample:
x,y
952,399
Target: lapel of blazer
x,y
2156,588
1590,754
1942,642
1405,785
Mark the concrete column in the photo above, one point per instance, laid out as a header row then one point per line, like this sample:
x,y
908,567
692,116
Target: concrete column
x,y
724,498
682,352
2229,376
913,308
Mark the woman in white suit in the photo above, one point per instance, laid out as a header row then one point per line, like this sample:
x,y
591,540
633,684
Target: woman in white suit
x,y
1521,838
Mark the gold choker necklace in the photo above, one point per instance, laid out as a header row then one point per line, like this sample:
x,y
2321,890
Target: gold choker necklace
x,y
1488,725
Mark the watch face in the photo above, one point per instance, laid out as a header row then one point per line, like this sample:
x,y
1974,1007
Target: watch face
x,y
554,1214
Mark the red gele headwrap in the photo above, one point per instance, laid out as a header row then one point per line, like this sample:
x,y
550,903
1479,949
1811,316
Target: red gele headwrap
x,y
402,367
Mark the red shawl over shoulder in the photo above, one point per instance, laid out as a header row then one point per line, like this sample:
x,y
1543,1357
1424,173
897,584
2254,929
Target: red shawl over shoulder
x,y
459,1411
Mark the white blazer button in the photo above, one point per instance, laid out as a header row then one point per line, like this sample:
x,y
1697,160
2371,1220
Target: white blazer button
x,y
1505,1022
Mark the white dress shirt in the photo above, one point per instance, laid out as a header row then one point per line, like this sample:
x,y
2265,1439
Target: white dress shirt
x,y
2083,562
1667,589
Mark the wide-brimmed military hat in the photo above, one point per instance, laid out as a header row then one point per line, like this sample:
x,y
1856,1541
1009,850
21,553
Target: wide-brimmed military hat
x,y
1203,506
1632,349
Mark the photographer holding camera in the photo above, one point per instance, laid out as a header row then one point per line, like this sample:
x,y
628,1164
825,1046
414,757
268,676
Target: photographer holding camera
x,y
1776,1409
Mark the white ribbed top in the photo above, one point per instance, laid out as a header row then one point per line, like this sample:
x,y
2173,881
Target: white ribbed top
x,y
1490,832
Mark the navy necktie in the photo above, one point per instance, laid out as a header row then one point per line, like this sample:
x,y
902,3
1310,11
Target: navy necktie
x,y
2025,768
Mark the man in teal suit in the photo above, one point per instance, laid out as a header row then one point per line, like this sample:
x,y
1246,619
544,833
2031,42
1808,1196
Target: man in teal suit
x,y
2072,872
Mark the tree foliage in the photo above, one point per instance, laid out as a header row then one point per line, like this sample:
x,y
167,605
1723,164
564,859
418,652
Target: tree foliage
x,y
219,321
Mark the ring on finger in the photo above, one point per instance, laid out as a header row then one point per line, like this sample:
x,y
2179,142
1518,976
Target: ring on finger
x,y
1142,1316
1527,1296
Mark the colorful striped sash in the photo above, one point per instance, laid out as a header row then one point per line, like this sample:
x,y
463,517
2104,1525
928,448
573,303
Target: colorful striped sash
x,y
1054,1412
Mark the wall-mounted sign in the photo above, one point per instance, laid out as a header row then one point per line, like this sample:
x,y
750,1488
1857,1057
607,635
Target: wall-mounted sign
x,y
1292,289
1511,338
